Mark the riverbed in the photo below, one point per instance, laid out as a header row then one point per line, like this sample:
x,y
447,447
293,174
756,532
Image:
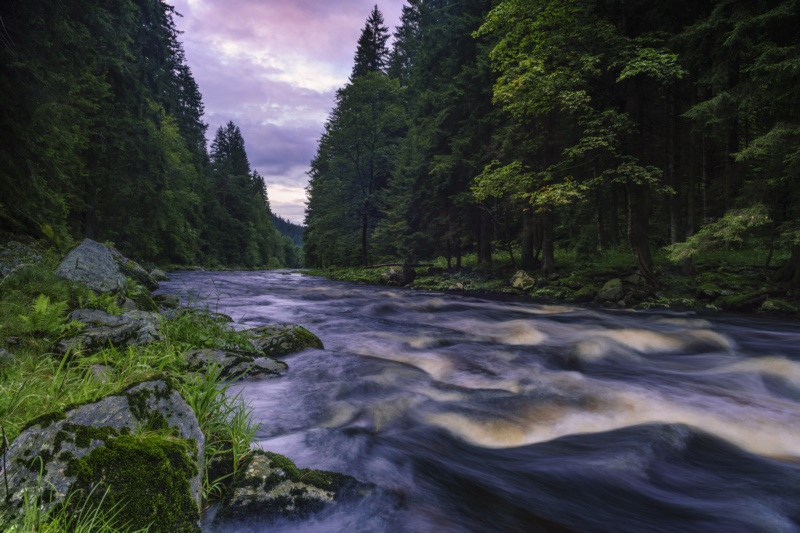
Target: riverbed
x,y
480,414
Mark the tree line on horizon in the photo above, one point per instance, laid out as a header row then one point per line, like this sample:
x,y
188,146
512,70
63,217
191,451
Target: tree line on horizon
x,y
103,137
529,125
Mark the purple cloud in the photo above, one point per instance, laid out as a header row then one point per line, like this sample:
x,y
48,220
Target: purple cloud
x,y
273,66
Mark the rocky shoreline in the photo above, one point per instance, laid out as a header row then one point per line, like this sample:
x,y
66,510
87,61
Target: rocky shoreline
x,y
139,453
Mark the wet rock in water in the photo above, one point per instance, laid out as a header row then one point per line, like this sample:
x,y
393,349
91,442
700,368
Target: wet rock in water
x,y
398,276
271,486
93,265
159,275
134,328
170,301
14,256
276,340
612,291
157,474
521,280
235,364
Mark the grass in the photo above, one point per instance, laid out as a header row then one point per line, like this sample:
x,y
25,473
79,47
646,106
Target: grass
x,y
34,305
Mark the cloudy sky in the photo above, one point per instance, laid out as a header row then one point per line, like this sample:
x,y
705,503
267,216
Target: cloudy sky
x,y
273,67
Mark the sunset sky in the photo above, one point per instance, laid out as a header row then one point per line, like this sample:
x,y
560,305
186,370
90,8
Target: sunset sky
x,y
273,67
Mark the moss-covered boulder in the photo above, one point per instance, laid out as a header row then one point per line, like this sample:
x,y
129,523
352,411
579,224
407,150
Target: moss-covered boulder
x,y
133,270
585,294
235,364
612,291
522,280
133,328
271,486
775,306
141,449
159,275
742,302
277,340
170,301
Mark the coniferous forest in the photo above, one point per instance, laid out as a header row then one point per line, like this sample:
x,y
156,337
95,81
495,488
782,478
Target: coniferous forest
x,y
103,137
533,126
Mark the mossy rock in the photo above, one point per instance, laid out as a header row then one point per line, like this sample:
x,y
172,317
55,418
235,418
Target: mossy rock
x,y
235,364
147,477
550,292
94,444
574,282
585,294
276,340
271,486
741,302
777,307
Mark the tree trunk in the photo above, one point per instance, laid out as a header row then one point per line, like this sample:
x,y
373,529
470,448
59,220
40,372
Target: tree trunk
x,y
527,261
364,228
485,241
638,232
548,252
613,219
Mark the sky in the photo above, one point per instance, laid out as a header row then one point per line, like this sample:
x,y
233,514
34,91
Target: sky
x,y
273,68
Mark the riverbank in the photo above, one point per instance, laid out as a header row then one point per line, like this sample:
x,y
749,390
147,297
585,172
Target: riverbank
x,y
737,285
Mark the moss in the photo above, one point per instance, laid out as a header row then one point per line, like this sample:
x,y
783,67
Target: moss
x,y
47,420
138,403
741,302
149,477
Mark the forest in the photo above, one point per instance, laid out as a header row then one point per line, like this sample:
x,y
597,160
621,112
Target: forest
x,y
103,137
663,128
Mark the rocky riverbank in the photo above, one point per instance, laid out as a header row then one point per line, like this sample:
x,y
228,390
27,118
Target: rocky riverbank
x,y
113,401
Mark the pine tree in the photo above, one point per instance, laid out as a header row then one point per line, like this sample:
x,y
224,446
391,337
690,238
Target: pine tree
x,y
372,54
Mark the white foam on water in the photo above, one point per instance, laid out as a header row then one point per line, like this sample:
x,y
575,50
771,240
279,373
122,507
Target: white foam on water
x,y
774,366
771,428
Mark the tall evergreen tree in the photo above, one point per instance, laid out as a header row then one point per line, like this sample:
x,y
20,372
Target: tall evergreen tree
x,y
372,55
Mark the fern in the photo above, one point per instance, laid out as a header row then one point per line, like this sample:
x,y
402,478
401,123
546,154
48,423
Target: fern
x,y
48,319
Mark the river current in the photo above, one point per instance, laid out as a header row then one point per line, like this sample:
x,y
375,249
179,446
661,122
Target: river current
x,y
476,414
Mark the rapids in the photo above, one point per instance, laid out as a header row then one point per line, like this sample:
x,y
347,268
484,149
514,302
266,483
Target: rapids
x,y
474,414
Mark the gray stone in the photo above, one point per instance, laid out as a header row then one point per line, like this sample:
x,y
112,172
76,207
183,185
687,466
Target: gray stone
x,y
93,265
235,364
133,328
521,280
272,486
636,279
276,340
159,275
398,276
612,291
456,287
133,270
48,447
14,256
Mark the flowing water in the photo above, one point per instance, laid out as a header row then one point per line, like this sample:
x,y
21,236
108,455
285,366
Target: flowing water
x,y
475,414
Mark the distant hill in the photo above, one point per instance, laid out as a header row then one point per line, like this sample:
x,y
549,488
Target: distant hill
x,y
293,231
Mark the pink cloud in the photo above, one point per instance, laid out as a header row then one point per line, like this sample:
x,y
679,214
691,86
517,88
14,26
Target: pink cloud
x,y
272,67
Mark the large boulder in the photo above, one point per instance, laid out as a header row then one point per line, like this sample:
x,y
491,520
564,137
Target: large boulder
x,y
159,275
143,446
276,340
271,486
612,291
14,256
102,269
521,280
93,265
398,276
134,328
235,364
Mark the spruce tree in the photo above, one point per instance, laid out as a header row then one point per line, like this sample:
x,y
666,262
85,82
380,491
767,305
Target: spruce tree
x,y
372,55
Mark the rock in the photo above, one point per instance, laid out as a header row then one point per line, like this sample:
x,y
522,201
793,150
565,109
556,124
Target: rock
x,y
773,306
235,364
157,473
276,340
134,328
271,486
521,280
636,279
585,294
14,256
456,287
133,270
612,291
398,276
159,275
741,302
170,301
93,265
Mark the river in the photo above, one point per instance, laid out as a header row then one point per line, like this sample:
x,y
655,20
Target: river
x,y
477,414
